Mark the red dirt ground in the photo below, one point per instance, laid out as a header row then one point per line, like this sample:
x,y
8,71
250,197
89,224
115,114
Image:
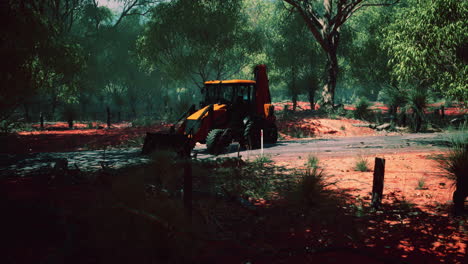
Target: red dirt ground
x,y
73,139
398,237
456,109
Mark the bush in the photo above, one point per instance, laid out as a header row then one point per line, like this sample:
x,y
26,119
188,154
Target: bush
x,y
312,161
310,189
362,164
393,97
362,109
417,103
456,166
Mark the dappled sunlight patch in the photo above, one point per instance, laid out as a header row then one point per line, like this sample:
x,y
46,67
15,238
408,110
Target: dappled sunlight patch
x,y
76,139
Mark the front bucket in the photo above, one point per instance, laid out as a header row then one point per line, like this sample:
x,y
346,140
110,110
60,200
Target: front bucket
x,y
166,142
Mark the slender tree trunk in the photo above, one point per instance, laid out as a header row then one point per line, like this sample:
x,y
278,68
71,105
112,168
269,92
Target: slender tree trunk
x,y
108,117
294,101
312,96
27,116
41,120
328,93
294,88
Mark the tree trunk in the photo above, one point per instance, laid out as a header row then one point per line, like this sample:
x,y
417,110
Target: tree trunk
x,y
294,101
108,117
27,116
328,93
294,88
312,97
41,120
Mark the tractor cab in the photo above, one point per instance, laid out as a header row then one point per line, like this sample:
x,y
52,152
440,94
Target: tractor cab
x,y
229,92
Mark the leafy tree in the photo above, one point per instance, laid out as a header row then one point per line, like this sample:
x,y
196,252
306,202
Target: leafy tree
x,y
35,48
427,46
197,40
295,58
364,62
324,19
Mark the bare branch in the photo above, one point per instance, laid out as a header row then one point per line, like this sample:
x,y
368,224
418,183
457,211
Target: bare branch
x,y
368,5
129,6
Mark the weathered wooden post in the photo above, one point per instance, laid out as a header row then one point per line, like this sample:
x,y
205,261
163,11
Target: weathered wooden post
x,y
378,183
442,111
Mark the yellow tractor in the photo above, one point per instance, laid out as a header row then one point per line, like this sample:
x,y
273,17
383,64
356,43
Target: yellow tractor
x,y
232,110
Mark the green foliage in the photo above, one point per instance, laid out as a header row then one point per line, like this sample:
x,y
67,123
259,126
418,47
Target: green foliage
x,y
362,109
312,161
417,103
455,163
421,184
262,160
426,43
362,164
364,62
394,97
197,40
294,55
37,52
310,189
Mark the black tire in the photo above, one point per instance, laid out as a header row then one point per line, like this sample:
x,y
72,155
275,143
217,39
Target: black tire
x,y
218,140
252,135
270,134
212,138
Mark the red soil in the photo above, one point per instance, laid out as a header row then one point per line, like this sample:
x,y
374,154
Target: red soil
x,y
73,139
456,109
322,128
415,180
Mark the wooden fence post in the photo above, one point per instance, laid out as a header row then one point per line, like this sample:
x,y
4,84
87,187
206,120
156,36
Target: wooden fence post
x,y
378,183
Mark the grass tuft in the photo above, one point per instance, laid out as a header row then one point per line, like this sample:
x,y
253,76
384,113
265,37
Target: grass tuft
x,y
362,164
421,184
312,161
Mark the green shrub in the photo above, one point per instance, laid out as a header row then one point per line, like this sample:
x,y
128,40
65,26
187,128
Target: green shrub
x,y
312,161
262,160
362,109
394,97
417,103
362,164
421,183
455,163
310,189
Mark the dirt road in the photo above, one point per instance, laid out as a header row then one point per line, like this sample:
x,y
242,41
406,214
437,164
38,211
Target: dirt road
x,y
23,164
346,146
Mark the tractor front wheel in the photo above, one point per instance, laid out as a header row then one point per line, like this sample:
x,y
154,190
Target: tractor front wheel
x,y
218,140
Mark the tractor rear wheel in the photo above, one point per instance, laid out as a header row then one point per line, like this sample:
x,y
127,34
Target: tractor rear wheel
x,y
270,134
252,135
218,140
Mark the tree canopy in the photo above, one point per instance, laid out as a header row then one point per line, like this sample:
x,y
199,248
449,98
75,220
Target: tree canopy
x,y
427,44
149,57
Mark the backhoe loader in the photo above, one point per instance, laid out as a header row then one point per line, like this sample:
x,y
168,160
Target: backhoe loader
x,y
231,111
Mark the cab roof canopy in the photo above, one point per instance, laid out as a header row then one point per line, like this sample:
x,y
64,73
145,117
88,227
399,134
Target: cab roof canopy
x,y
230,82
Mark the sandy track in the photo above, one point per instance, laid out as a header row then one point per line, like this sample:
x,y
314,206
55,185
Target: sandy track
x,y
23,164
342,147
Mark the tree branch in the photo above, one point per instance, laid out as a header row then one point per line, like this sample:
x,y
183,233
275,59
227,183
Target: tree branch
x,y
367,5
311,22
